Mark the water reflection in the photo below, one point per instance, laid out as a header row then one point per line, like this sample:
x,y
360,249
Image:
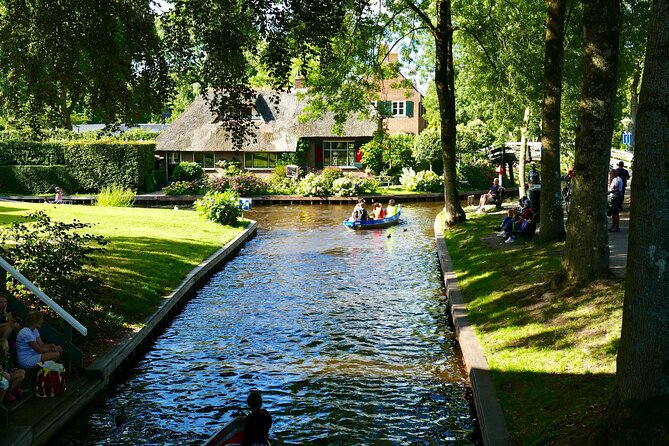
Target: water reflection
x,y
345,332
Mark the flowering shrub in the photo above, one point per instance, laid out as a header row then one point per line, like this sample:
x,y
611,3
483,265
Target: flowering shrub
x,y
230,168
368,185
244,184
312,185
330,174
423,181
221,207
345,186
185,171
185,188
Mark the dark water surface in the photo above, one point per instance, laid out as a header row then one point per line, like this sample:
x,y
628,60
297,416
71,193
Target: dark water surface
x,y
345,333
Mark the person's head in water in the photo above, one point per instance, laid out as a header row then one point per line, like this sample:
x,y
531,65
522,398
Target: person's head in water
x,y
254,400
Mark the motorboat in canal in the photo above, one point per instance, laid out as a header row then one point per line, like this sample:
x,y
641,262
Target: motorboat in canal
x,y
231,434
375,224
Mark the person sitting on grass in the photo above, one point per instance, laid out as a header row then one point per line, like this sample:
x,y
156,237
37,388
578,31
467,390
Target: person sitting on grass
x,y
30,349
493,195
506,227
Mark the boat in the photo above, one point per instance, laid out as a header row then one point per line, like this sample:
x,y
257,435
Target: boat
x,y
375,224
231,434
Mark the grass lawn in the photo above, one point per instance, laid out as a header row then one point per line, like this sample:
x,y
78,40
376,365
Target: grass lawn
x,y
551,346
149,251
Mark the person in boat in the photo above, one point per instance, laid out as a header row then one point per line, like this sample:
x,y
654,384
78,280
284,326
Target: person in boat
x,y
354,216
360,208
258,422
379,212
391,209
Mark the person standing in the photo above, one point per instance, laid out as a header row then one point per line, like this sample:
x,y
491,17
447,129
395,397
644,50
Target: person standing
x,y
59,196
624,175
615,199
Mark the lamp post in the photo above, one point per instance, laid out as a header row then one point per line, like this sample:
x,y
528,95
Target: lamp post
x,y
627,135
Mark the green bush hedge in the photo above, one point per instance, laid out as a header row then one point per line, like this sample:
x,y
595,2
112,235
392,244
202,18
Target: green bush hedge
x,y
31,153
36,180
96,164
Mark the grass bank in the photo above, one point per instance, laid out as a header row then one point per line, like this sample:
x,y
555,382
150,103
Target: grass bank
x,y
551,347
149,253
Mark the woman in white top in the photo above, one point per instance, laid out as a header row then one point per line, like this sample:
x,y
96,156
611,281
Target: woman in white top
x,y
30,349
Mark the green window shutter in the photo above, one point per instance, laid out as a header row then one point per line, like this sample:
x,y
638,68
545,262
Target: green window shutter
x,y
409,109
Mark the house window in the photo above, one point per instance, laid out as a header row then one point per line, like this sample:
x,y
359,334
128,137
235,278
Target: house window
x,y
209,160
260,160
173,157
339,153
398,108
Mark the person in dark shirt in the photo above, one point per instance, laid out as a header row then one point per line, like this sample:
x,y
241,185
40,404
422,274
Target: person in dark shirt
x,y
624,176
258,422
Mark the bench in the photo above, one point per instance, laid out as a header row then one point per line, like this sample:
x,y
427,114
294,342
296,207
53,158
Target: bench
x,y
384,180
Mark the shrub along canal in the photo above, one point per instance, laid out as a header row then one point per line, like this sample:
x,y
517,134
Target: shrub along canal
x,y
345,333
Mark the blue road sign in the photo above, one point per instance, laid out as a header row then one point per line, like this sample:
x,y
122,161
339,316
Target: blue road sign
x,y
245,204
627,138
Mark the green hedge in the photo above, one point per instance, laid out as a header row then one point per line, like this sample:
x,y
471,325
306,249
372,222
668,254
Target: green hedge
x,y
36,180
31,153
97,164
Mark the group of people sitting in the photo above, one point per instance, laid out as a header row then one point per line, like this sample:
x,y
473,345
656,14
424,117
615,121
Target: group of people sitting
x,y
378,212
519,222
30,349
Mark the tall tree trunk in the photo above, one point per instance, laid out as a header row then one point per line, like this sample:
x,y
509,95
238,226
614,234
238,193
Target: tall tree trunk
x,y
552,216
639,412
523,153
586,253
445,82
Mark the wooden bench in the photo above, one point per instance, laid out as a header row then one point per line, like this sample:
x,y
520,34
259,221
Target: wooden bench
x,y
384,180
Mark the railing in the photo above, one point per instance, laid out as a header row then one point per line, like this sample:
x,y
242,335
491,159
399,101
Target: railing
x,y
46,299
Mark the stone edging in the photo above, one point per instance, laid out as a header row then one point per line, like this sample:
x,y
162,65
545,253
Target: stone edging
x,y
488,409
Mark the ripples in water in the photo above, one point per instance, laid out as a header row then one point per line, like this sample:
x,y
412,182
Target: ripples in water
x,y
345,332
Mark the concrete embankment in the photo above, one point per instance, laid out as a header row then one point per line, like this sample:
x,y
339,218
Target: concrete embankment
x,y
36,421
488,409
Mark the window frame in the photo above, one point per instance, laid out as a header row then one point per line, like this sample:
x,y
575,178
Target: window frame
x,y
398,105
349,149
272,160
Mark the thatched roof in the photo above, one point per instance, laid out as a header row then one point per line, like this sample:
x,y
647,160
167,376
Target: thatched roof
x,y
195,129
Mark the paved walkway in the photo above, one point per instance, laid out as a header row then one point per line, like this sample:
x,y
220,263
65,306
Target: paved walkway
x,y
618,243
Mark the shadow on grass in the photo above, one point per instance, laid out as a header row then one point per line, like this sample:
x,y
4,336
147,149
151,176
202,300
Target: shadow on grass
x,y
139,271
554,408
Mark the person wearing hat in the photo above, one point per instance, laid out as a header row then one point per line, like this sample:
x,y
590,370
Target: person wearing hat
x,y
624,175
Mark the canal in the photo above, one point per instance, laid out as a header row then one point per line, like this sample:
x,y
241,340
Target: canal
x,y
345,333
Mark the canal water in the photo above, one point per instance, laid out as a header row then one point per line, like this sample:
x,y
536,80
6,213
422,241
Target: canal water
x,y
345,333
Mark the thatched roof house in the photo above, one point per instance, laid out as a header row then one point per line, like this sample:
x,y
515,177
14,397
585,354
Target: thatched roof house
x,y
196,136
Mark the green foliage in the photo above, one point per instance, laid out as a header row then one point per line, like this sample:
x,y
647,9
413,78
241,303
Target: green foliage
x,y
280,184
348,186
36,180
221,207
312,185
187,171
185,188
427,146
106,57
423,181
330,174
101,163
475,176
31,153
115,196
471,138
55,257
372,154
230,168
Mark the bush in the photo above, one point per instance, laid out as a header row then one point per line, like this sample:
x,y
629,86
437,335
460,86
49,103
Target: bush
x,y
330,174
185,188
115,196
185,171
31,153
54,256
36,180
475,176
345,187
221,207
312,185
96,164
230,168
368,185
423,181
246,184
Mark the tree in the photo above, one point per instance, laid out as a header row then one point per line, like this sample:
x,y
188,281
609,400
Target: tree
x,y
586,253
552,219
59,56
638,412
427,146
